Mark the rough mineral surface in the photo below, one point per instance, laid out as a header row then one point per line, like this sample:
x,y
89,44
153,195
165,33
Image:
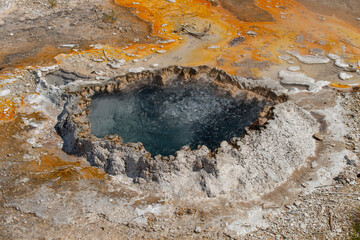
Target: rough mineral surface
x,y
245,168
252,167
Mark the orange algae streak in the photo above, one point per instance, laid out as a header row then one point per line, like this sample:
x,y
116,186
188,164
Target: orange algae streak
x,y
52,167
338,85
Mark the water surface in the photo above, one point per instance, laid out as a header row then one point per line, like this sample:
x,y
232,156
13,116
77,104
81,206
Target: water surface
x,y
166,118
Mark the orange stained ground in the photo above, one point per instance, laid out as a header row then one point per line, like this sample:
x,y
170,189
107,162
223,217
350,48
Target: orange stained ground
x,y
49,165
52,167
8,109
272,38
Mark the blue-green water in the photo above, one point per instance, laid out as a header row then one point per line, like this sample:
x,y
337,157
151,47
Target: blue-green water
x,y
166,118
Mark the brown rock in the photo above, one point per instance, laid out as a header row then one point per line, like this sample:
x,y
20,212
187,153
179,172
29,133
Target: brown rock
x,y
318,136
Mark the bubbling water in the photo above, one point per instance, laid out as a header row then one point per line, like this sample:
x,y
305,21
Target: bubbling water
x,y
165,118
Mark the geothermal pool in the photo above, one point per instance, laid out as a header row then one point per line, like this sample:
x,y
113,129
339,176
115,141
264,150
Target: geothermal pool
x,y
165,118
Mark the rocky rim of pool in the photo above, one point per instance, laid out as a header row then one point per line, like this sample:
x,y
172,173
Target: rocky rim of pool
x,y
216,171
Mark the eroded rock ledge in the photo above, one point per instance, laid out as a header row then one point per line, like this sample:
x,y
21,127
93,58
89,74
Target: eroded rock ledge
x,y
246,167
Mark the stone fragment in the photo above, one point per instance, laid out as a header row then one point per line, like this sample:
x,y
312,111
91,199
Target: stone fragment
x,y
345,76
67,46
115,65
100,78
100,73
350,161
171,1
340,63
224,144
298,78
165,41
294,68
161,51
136,70
318,136
314,165
50,68
212,47
284,57
333,56
317,51
309,59
97,59
37,145
235,41
197,229
304,185
251,33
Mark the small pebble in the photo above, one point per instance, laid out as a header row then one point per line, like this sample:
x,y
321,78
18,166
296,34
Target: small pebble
x,y
294,68
197,229
318,137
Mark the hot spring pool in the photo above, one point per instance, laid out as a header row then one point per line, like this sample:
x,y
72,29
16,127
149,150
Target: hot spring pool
x,y
165,118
